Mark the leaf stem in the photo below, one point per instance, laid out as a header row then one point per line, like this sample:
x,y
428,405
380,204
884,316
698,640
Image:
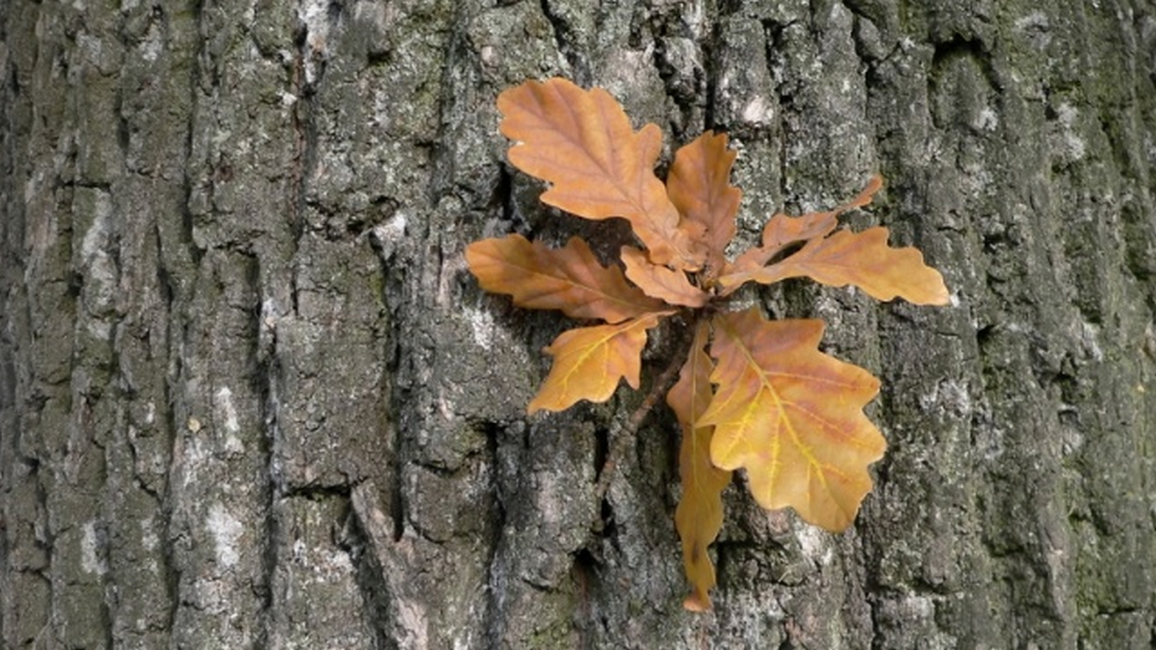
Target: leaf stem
x,y
622,434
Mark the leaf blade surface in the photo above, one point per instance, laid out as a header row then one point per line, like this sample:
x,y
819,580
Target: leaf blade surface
x,y
865,260
699,514
661,282
792,417
590,361
581,141
699,186
782,231
569,279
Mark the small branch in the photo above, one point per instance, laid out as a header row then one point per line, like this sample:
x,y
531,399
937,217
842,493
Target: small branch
x,y
622,435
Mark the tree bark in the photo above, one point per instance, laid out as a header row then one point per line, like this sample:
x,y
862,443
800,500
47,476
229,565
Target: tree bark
x,y
250,397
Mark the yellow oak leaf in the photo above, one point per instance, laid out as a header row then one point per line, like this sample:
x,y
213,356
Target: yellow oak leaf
x,y
589,361
792,417
699,515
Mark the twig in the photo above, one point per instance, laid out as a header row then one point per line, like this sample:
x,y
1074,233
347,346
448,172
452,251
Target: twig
x,y
621,435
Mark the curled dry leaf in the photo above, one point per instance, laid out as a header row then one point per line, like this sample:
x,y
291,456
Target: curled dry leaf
x,y
699,515
863,259
661,282
782,231
569,278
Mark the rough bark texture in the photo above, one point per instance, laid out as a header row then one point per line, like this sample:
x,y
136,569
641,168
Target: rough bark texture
x,y
249,396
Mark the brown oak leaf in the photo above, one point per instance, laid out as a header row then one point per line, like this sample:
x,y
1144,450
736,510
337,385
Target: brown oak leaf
x,y
699,185
582,142
661,282
782,230
863,259
569,278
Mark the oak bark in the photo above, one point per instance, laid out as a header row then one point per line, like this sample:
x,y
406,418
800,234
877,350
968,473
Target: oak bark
x,y
250,397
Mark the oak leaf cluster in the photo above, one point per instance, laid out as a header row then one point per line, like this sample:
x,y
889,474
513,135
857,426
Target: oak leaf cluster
x,y
752,394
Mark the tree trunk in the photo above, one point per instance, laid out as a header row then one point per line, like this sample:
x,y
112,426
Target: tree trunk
x,y
250,397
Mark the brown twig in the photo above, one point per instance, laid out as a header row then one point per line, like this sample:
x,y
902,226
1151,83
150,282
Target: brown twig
x,y
621,435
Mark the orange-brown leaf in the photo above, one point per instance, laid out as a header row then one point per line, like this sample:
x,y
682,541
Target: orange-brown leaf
x,y
661,282
568,278
582,142
699,515
865,260
782,231
792,416
589,361
699,186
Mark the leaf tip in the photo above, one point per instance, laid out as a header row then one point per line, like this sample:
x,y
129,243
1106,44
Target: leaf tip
x,y
935,292
540,401
697,602
941,296
942,299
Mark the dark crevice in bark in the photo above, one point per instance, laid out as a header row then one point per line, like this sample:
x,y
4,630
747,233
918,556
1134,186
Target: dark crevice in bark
x,y
713,67
397,497
780,128
266,375
188,164
946,54
874,602
589,624
687,92
505,202
270,530
123,131
305,147
393,284
494,617
170,428
108,586
368,574
601,450
395,280
959,47
317,492
607,526
866,10
568,44
45,537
